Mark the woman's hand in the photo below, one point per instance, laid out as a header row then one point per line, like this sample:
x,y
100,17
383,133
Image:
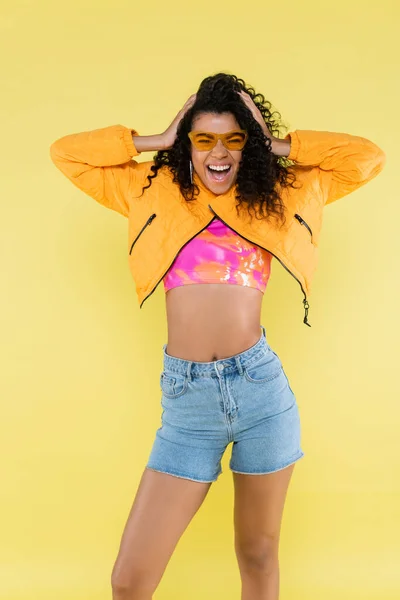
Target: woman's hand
x,y
255,112
169,135
278,147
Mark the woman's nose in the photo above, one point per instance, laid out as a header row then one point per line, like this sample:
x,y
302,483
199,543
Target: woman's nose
x,y
219,149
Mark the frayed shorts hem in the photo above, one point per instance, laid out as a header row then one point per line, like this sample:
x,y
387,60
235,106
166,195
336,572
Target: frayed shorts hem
x,y
268,472
182,476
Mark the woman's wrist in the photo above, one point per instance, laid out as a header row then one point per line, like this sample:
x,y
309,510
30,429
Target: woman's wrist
x,y
280,147
148,143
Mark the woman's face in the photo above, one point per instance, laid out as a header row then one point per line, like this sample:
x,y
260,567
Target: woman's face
x,y
217,182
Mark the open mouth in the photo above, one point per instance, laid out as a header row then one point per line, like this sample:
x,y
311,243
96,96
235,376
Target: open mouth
x,y
219,173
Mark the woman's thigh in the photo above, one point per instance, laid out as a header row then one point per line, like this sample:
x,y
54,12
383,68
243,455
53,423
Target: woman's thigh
x,y
258,510
162,509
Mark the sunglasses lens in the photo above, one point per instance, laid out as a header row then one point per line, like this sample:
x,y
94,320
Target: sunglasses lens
x,y
203,141
236,140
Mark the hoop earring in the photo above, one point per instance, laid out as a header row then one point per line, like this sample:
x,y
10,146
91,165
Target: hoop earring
x,y
191,171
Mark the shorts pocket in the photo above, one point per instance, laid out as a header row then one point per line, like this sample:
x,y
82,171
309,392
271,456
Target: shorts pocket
x,y
266,368
173,384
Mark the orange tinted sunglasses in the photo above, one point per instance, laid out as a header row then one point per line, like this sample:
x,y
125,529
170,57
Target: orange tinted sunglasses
x,y
206,140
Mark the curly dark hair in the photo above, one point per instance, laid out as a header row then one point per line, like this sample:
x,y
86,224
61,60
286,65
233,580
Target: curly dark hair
x,y
259,170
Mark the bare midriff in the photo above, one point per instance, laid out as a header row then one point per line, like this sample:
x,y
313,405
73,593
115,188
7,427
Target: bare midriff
x,y
212,321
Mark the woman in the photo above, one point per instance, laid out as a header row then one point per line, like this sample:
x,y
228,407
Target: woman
x,y
223,196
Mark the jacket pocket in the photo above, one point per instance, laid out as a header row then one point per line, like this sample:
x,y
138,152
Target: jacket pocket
x,y
302,222
149,220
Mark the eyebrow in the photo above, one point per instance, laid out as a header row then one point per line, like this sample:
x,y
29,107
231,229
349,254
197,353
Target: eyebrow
x,y
205,133
208,133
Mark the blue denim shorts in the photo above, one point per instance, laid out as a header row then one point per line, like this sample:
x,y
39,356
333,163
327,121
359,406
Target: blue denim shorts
x,y
245,399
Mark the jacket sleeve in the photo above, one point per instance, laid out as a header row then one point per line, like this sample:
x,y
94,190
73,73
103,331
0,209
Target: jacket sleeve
x,y
99,163
343,162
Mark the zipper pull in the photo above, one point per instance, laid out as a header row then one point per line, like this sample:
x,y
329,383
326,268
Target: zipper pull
x,y
149,220
306,307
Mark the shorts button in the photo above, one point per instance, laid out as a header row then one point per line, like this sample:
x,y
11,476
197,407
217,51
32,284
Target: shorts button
x,y
220,367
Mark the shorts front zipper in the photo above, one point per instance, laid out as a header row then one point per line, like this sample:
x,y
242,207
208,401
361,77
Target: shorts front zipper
x,y
302,221
149,220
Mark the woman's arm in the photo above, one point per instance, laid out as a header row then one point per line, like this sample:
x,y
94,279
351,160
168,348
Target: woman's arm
x,y
99,163
148,143
345,162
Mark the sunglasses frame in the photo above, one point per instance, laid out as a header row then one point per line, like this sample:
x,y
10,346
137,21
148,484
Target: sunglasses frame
x,y
216,137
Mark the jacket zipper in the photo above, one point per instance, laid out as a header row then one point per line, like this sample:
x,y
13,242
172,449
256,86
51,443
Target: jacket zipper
x,y
161,278
305,301
302,221
149,220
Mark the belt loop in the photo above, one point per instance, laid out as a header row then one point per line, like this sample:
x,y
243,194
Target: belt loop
x,y
239,365
263,330
188,373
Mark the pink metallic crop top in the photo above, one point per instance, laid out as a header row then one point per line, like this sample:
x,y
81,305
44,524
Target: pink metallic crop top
x,y
219,255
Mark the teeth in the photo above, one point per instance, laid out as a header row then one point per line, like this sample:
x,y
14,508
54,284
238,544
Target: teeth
x,y
219,167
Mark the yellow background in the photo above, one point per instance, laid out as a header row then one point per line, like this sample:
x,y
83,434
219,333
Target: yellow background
x,y
80,363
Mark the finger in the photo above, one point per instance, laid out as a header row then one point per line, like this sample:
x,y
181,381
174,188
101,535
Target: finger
x,y
186,106
245,97
189,103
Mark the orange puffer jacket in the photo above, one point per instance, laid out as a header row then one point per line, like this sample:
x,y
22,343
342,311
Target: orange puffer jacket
x,y
327,167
